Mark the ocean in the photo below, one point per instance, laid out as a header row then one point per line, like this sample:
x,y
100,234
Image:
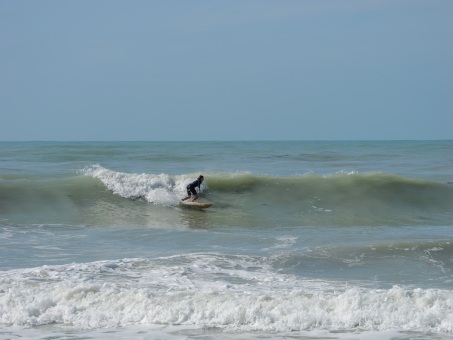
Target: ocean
x,y
304,240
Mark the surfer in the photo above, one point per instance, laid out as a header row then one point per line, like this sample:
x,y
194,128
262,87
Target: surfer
x,y
191,188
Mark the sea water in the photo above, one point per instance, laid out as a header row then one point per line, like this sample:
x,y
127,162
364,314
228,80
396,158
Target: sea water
x,y
305,240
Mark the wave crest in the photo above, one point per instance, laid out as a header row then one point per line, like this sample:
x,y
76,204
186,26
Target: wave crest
x,y
345,190
160,189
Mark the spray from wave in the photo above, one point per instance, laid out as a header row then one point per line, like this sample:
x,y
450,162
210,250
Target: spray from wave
x,y
160,189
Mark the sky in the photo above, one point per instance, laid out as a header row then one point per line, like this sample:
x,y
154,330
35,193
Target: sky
x,y
108,70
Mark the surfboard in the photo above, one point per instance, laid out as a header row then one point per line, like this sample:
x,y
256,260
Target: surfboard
x,y
196,205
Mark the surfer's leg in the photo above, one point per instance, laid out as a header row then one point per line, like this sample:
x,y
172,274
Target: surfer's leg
x,y
188,194
192,193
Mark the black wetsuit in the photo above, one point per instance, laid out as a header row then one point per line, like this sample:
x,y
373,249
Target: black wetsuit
x,y
191,187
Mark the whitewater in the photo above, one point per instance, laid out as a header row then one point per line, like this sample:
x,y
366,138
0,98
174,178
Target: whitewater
x,y
338,240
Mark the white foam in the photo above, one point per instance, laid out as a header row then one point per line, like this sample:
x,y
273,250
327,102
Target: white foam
x,y
160,189
233,293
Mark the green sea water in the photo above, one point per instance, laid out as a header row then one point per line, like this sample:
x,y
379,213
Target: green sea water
x,y
308,239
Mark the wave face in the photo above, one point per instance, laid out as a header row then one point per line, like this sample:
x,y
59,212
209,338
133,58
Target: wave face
x,y
340,188
246,198
340,199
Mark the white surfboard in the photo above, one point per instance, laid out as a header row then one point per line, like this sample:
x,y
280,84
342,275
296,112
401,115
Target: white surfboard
x,y
196,205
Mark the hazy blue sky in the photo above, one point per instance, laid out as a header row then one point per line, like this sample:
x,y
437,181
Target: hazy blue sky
x,y
226,70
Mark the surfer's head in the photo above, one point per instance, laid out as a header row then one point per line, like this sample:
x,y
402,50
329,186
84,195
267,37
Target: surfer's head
x,y
201,178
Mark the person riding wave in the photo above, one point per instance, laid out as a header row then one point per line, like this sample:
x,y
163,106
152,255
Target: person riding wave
x,y
191,189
